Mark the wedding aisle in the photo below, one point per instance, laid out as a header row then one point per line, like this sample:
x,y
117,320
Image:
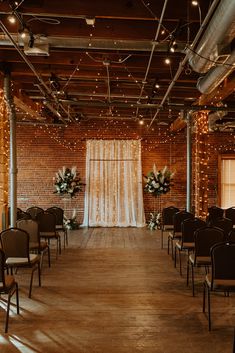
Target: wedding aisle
x,y
115,291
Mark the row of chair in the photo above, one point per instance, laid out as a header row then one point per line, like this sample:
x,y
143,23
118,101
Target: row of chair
x,y
208,244
24,246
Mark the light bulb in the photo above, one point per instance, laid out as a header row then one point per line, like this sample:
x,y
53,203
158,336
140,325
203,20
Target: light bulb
x,y
167,61
11,19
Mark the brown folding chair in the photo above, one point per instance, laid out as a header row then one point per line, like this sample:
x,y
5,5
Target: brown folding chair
x,y
34,211
59,213
35,243
186,242
47,229
205,238
214,212
8,286
223,223
167,220
15,244
230,213
176,233
222,276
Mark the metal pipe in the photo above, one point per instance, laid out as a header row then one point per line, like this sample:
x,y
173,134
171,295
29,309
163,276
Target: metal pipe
x,y
182,63
189,162
215,76
219,31
151,54
22,54
13,154
99,43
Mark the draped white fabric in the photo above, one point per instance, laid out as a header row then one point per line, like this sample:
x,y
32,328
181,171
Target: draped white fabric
x,y
114,193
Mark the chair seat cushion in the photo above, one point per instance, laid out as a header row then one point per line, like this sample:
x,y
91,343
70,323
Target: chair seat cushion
x,y
21,261
184,246
49,234
220,284
200,260
175,235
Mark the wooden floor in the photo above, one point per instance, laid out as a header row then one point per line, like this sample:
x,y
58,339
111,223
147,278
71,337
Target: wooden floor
x,y
115,291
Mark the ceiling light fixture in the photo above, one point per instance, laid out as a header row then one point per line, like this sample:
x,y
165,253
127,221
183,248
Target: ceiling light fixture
x,y
196,3
167,61
90,21
173,47
11,19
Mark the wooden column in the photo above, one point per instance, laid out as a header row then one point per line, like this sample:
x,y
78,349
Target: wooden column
x,y
201,164
4,153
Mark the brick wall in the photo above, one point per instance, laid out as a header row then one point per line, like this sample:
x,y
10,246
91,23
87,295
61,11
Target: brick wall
x,y
44,150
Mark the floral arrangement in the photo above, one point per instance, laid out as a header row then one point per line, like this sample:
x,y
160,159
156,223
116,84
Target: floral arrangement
x,y
158,182
71,223
155,221
67,181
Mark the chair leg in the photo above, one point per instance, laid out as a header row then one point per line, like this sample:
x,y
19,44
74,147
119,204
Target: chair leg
x,y
209,309
8,310
31,280
175,258
39,274
192,270
204,298
49,256
64,240
168,245
187,272
180,262
162,239
59,244
66,236
17,298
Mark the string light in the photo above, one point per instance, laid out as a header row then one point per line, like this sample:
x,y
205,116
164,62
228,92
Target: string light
x,y
11,19
167,61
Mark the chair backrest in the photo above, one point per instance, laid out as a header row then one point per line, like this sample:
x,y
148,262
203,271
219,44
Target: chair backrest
x,y
179,217
23,215
31,227
225,224
2,269
34,211
167,215
230,213
188,227
15,243
58,212
223,262
46,222
205,238
231,236
215,212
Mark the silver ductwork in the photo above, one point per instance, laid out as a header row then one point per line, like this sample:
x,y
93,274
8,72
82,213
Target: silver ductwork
x,y
220,31
214,117
215,76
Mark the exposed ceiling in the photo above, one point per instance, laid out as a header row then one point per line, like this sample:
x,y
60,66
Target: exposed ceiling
x,y
106,59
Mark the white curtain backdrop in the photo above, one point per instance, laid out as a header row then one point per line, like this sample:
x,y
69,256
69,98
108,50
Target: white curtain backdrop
x,y
114,193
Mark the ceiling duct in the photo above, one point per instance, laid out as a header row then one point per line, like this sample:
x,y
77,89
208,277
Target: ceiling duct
x,y
39,47
213,119
215,76
219,33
